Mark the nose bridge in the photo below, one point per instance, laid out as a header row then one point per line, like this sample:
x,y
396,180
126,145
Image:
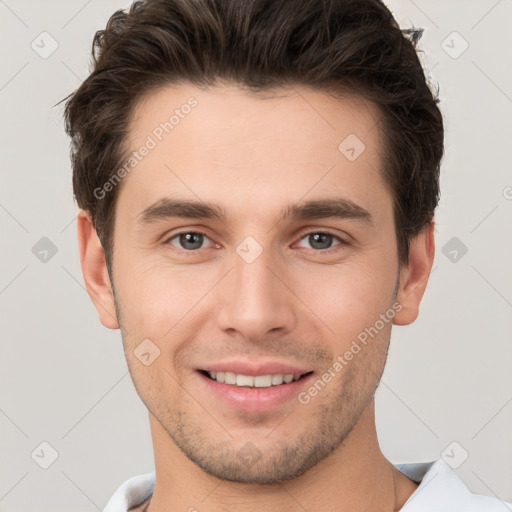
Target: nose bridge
x,y
257,301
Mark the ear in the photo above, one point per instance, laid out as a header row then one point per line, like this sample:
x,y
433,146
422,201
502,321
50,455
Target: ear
x,y
94,271
414,276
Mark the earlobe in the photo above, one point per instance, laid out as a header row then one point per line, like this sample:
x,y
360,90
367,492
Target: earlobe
x,y
414,276
94,271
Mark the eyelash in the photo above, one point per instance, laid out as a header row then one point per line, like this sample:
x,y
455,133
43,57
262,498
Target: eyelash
x,y
305,235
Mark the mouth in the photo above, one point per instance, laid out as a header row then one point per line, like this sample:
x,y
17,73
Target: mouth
x,y
263,388
254,381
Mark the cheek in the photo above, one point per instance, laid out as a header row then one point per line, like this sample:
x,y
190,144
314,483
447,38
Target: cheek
x,y
156,297
347,298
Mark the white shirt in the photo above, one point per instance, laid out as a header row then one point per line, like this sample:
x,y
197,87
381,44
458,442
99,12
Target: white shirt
x,y
440,490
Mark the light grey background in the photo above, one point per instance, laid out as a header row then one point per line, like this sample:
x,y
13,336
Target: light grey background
x,y
64,379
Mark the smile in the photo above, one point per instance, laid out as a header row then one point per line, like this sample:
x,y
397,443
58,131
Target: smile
x,y
258,381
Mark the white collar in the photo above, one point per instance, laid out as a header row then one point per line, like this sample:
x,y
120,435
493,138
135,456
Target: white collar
x,y
440,489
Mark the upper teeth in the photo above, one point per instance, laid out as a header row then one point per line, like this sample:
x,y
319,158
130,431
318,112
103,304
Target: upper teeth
x,y
260,381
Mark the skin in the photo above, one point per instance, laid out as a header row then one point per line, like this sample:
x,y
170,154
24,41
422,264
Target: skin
x,y
253,155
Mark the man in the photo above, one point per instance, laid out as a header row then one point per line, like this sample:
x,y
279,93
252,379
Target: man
x,y
258,183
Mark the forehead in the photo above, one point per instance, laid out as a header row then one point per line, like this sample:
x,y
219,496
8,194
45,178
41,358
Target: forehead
x,y
245,147
303,112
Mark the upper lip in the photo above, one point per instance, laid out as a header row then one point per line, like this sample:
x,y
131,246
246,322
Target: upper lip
x,y
254,368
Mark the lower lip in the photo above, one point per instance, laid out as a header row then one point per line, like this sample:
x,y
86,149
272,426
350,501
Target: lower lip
x,y
254,399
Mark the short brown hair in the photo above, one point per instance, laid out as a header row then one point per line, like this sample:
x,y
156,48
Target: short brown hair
x,y
344,45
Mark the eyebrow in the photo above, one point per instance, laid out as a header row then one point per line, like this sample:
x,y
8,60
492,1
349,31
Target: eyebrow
x,y
168,208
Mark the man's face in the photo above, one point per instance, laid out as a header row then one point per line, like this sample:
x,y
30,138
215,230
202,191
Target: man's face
x,y
255,292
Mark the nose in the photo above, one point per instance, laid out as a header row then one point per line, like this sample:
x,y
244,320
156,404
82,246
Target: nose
x,y
256,299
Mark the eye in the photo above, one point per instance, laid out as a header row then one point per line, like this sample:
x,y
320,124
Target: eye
x,y
322,240
188,240
193,240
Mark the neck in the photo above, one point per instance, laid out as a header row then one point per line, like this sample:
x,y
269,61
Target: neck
x,y
355,477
